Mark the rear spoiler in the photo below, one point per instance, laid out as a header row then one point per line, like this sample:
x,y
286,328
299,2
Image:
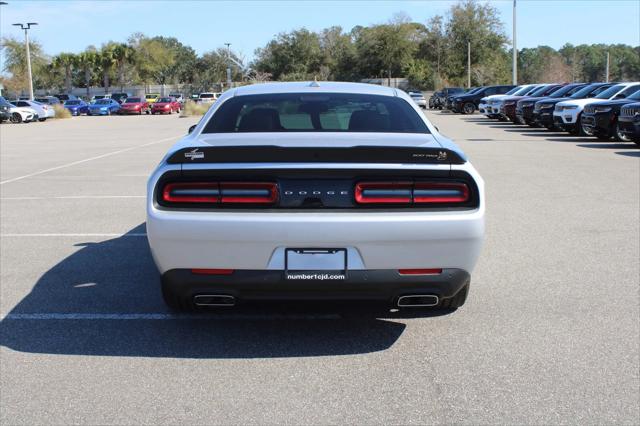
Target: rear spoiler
x,y
277,154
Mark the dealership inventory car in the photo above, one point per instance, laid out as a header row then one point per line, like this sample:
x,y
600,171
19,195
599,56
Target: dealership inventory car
x,y
44,111
448,102
543,109
207,97
629,122
526,102
95,98
600,119
525,107
468,103
77,106
65,97
490,105
315,191
508,107
419,99
134,105
22,114
103,107
150,98
567,115
5,110
165,106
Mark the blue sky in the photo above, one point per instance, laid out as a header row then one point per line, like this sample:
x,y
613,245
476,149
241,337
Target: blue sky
x,y
205,25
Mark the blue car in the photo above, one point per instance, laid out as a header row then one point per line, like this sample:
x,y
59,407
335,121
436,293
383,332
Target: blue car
x,y
103,107
77,106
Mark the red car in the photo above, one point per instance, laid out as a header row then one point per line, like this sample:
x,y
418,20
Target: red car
x,y
134,106
165,106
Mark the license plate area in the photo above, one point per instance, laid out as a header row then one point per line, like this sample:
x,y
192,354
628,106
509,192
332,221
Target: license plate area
x,y
315,263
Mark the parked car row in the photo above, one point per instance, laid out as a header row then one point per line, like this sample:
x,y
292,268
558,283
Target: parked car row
x,y
602,110
24,111
131,105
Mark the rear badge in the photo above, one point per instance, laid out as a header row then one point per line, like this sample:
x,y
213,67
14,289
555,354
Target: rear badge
x,y
194,154
440,156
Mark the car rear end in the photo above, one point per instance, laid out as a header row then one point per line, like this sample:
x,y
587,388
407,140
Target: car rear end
x,y
395,219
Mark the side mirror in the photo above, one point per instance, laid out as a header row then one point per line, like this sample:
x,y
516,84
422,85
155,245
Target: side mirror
x,y
192,128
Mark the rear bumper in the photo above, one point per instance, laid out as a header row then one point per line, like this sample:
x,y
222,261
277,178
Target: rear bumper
x,y
384,286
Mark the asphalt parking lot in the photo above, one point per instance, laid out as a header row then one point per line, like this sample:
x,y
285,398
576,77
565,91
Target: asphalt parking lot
x,y
550,332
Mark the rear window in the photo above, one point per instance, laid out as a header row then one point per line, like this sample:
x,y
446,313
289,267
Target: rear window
x,y
317,112
133,100
72,103
164,100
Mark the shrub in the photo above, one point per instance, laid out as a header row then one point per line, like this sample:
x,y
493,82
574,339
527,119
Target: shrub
x,y
61,112
191,108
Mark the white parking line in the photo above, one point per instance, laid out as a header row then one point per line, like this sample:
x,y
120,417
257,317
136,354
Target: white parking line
x,y
133,234
74,197
74,163
162,317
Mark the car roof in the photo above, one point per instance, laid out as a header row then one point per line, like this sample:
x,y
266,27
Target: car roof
x,y
314,87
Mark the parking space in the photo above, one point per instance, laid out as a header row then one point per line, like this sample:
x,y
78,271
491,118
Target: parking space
x,y
550,331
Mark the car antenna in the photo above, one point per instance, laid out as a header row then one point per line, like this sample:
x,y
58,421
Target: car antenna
x,y
314,83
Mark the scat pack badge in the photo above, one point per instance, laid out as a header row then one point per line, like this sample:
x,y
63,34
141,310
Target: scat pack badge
x,y
194,154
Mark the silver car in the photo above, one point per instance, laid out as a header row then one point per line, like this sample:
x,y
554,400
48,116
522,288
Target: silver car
x,y
419,99
44,111
315,191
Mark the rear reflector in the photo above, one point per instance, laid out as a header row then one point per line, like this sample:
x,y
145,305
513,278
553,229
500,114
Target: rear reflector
x,y
212,271
411,192
221,192
420,271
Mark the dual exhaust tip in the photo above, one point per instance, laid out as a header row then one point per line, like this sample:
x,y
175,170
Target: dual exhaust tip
x,y
408,301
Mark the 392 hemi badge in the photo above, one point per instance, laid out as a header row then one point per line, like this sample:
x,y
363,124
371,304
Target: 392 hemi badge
x,y
194,154
440,156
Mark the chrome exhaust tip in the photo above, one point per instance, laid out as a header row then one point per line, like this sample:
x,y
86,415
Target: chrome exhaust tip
x,y
214,300
417,300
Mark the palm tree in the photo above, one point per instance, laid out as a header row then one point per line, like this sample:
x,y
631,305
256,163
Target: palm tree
x,y
106,62
66,62
122,55
87,61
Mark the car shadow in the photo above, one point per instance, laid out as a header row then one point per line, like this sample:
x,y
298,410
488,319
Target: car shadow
x,y
611,145
104,299
629,153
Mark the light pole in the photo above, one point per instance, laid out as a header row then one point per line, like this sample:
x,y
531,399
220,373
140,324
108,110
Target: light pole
x,y
515,48
468,64
26,28
228,65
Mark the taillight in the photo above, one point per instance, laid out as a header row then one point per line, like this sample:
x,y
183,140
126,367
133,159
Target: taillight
x,y
383,192
440,192
411,192
212,271
191,192
220,192
248,192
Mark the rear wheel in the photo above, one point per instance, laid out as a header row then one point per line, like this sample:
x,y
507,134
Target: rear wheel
x,y
42,119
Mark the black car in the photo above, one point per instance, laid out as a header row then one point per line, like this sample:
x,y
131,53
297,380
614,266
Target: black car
x,y
446,93
433,99
5,110
543,109
120,97
64,98
629,122
524,106
468,103
448,100
529,114
600,119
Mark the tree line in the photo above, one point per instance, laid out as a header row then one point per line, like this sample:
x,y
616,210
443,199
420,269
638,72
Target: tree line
x,y
430,55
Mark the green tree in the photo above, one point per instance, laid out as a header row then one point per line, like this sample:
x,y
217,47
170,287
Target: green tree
x,y
65,62
123,55
15,63
291,56
106,62
87,63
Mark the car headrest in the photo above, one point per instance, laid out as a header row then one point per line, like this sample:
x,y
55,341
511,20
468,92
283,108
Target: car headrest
x,y
260,120
365,120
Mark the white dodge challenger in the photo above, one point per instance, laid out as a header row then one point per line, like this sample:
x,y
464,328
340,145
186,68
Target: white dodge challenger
x,y
315,191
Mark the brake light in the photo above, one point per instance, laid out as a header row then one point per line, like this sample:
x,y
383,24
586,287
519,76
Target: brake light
x,y
440,192
411,192
249,192
221,192
191,192
383,192
419,271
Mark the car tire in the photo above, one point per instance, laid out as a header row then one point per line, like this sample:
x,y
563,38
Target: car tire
x,y
618,135
108,112
42,119
468,108
16,118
